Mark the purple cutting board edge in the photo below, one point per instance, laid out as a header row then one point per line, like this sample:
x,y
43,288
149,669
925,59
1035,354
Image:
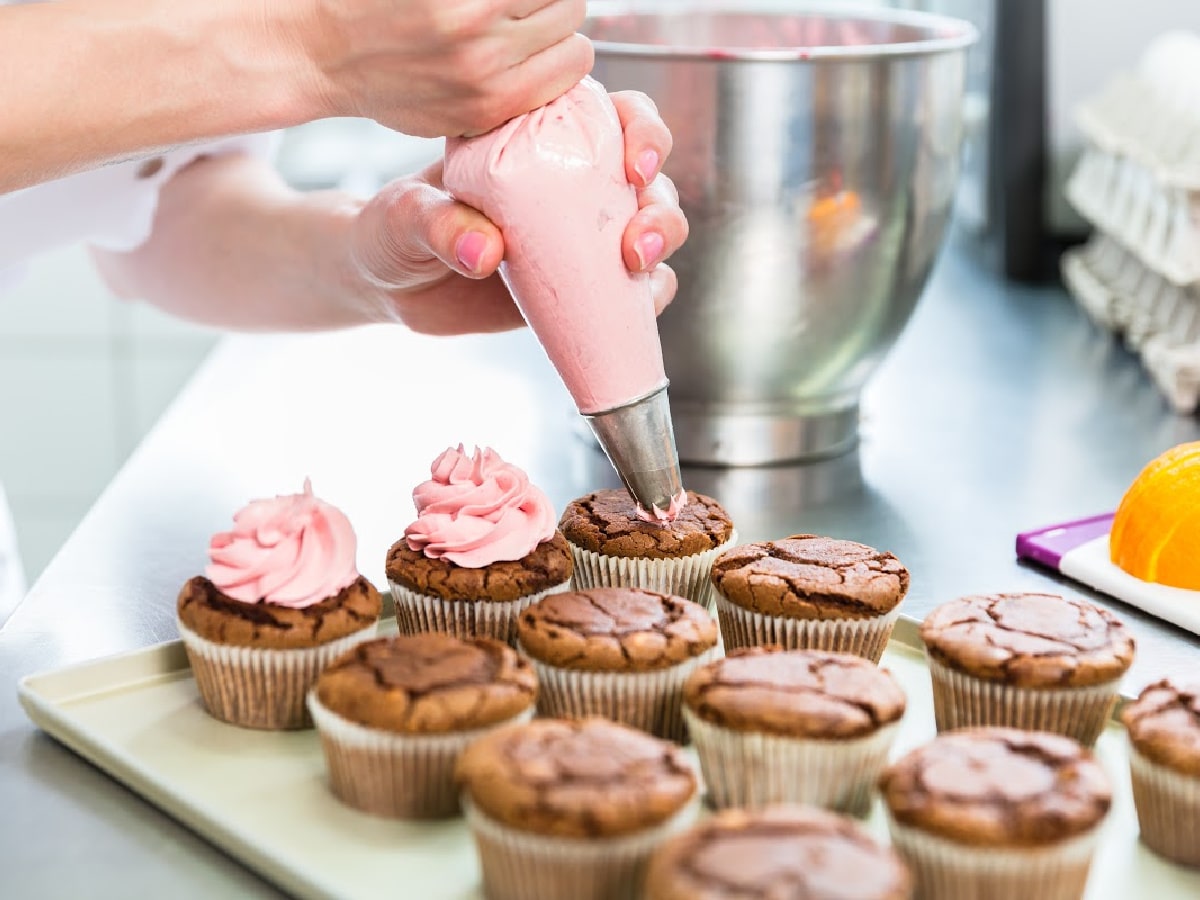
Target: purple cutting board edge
x,y
1047,546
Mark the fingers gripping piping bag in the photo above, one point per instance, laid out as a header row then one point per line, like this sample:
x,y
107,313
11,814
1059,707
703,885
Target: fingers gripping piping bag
x,y
553,181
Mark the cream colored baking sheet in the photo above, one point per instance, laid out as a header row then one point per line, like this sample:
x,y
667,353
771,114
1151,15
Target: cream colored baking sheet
x,y
263,798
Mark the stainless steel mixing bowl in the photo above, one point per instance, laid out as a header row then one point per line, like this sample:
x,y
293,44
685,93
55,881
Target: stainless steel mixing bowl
x,y
816,156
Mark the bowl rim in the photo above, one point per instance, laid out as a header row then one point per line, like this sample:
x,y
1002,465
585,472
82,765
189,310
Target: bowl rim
x,y
964,33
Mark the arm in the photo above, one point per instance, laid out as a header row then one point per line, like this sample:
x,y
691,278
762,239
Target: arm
x,y
88,82
234,246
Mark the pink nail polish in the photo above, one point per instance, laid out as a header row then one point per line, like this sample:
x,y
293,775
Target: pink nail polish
x,y
647,165
470,249
649,248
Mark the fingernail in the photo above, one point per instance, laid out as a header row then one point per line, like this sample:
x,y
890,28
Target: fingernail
x,y
470,249
647,165
649,248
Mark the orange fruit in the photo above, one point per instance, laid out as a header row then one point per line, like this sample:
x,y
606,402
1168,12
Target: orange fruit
x,y
1156,531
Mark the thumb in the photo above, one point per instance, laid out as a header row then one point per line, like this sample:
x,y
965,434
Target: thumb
x,y
412,231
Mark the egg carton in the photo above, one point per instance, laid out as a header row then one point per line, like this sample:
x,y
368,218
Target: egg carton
x,y
1139,178
1157,318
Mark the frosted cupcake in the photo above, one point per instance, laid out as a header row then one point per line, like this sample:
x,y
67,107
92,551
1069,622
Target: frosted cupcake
x,y
616,545
280,599
484,547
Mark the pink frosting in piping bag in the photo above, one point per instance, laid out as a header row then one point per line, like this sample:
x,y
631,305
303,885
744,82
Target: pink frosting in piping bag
x,y
293,551
477,510
554,182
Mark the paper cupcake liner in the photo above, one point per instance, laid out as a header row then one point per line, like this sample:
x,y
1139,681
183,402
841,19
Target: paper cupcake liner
x,y
963,701
518,865
862,637
651,701
947,870
751,769
1168,809
418,613
399,776
687,576
257,687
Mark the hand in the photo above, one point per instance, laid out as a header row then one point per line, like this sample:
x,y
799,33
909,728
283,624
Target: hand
x,y
435,68
433,260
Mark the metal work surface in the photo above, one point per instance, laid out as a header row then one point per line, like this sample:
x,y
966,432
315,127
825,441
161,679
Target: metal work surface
x,y
1001,409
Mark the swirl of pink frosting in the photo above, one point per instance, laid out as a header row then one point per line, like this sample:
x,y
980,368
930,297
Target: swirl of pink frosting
x,y
293,551
477,510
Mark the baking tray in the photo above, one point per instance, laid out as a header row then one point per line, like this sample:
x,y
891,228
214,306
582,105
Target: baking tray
x,y
262,796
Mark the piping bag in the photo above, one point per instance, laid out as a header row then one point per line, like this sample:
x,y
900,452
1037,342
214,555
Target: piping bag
x,y
553,181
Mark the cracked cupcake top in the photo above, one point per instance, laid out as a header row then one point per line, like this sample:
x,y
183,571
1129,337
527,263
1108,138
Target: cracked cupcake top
x,y
428,684
585,778
777,852
607,522
615,630
1164,724
807,576
1029,640
795,693
998,787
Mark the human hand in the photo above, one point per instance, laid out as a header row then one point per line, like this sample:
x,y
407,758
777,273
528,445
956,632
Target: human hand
x,y
436,68
432,261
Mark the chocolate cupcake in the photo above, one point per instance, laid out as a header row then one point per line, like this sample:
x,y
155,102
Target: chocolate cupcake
x,y
620,653
572,809
1164,760
792,726
614,546
394,714
809,592
281,597
483,547
1035,661
781,851
997,813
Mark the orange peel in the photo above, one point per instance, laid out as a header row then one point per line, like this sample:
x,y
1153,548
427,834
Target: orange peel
x,y
1156,531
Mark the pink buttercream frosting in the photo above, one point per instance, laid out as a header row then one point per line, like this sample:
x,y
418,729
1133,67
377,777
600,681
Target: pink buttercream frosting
x,y
477,510
554,182
663,516
292,551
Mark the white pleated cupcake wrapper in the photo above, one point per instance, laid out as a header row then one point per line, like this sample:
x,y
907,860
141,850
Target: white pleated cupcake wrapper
x,y
751,769
947,870
687,576
258,687
862,637
418,613
518,865
963,701
1168,809
651,701
399,776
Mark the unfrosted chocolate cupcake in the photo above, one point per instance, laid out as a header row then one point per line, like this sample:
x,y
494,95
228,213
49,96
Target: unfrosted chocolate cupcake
x,y
1033,661
997,813
809,592
614,547
572,808
395,713
792,726
620,653
778,852
1164,731
483,547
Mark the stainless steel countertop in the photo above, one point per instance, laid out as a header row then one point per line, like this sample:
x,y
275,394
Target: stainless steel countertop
x,y
1002,408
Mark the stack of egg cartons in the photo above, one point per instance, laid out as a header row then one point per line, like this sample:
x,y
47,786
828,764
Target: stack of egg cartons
x,y
1138,183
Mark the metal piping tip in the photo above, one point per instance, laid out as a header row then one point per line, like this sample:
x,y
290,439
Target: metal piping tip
x,y
640,443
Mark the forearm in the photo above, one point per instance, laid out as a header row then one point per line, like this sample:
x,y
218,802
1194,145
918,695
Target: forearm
x,y
234,246
88,82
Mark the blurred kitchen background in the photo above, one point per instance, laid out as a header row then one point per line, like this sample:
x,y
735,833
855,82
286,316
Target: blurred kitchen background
x,y
83,376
